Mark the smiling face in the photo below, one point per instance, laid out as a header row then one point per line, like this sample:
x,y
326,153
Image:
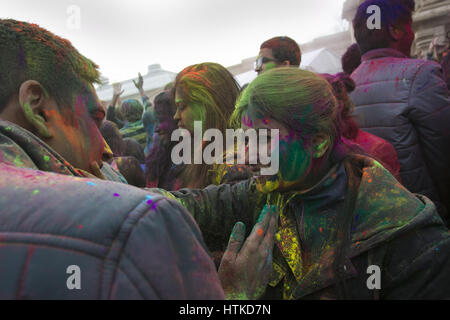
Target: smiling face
x,y
75,130
295,159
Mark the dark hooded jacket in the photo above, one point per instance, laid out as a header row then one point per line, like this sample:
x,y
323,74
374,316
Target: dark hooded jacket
x,y
358,216
126,243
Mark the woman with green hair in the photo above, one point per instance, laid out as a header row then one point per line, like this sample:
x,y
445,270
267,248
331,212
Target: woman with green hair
x,y
205,92
347,228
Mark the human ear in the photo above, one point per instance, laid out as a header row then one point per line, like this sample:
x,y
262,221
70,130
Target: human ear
x,y
321,143
395,33
32,100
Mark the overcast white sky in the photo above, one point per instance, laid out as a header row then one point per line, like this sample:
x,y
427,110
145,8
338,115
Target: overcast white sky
x,y
124,37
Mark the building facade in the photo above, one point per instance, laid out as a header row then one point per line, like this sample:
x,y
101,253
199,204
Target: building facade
x,y
154,82
431,19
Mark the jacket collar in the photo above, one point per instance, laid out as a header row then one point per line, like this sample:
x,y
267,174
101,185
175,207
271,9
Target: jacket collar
x,y
379,196
382,53
20,148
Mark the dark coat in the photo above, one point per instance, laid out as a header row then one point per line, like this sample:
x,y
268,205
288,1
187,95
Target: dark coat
x,y
405,101
128,243
389,227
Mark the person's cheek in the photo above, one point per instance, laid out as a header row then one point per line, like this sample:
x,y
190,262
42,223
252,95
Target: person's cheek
x,y
188,120
101,146
94,144
294,160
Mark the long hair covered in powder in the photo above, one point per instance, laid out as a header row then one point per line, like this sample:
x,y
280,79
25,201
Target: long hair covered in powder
x,y
342,84
212,88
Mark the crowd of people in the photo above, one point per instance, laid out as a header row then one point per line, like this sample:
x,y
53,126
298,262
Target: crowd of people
x,y
363,178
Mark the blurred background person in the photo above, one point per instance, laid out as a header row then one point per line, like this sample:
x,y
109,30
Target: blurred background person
x,y
351,59
204,92
278,52
160,171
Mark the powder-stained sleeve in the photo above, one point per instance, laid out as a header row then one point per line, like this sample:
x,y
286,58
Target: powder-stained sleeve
x,y
165,256
417,265
217,208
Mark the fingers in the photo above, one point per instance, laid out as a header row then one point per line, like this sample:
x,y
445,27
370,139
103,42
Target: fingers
x,y
236,239
261,226
139,82
269,237
265,216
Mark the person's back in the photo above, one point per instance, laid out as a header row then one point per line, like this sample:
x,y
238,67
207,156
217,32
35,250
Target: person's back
x,y
446,69
132,148
131,169
75,238
148,121
61,227
370,144
404,101
133,127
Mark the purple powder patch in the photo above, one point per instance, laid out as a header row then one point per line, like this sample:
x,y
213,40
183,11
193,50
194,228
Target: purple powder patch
x,y
152,204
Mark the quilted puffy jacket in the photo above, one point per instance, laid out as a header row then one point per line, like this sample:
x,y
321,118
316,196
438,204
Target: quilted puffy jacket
x,y
127,242
405,101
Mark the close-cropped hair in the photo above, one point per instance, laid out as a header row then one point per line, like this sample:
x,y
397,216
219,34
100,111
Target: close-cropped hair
x,y
284,49
29,52
393,13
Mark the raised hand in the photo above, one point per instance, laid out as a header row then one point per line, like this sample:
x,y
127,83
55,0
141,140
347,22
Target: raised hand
x,y
246,266
139,84
117,89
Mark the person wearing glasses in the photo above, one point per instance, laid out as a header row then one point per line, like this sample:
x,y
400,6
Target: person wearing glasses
x,y
278,52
